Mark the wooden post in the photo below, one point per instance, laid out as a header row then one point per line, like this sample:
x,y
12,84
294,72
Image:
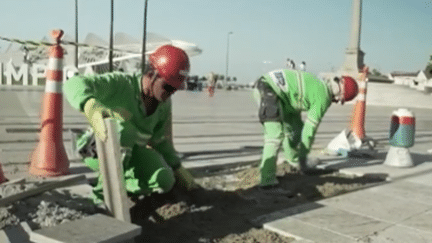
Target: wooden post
x,y
111,169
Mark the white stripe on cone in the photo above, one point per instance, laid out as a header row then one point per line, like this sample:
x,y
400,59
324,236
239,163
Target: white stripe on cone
x,y
361,97
55,63
53,87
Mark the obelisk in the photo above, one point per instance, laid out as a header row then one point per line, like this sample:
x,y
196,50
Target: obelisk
x,y
353,55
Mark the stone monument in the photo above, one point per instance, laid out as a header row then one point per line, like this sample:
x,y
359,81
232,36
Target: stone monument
x,y
353,55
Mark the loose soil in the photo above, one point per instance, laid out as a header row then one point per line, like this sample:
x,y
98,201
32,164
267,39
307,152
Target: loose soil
x,y
221,211
224,209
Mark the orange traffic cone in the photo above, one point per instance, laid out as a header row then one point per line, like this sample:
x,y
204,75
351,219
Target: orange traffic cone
x,y
359,112
49,157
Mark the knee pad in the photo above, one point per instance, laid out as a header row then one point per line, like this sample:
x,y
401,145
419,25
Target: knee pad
x,y
162,180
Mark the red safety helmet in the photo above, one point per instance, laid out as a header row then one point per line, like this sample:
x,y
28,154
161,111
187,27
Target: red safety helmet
x,y
349,88
171,63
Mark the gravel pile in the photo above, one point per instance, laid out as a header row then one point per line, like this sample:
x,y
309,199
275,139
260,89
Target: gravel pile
x,y
44,210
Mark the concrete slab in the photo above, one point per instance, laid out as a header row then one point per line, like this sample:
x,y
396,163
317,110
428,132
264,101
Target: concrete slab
x,y
14,234
93,229
406,191
421,179
421,222
398,233
331,221
305,232
377,206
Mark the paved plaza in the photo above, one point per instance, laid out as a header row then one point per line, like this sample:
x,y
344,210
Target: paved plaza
x,y
224,132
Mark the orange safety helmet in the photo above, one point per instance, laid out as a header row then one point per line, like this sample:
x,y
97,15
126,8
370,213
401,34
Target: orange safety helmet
x,y
349,88
171,63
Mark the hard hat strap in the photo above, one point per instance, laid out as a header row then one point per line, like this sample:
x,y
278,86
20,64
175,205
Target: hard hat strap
x,y
152,81
342,88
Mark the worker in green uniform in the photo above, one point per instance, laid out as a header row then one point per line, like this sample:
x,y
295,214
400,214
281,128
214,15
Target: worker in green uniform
x,y
283,95
141,107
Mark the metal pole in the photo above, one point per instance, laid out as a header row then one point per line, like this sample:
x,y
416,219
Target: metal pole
x,y
110,56
226,73
76,33
143,59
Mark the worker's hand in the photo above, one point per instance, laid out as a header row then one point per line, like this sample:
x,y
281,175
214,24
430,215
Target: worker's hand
x,y
95,112
185,179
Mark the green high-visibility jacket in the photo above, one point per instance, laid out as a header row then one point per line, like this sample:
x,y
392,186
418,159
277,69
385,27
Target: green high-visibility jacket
x,y
301,91
119,90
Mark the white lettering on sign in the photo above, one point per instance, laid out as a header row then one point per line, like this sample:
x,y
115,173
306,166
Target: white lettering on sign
x,y
38,72
20,75
11,73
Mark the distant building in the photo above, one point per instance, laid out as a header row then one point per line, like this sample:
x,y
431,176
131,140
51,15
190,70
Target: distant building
x,y
403,78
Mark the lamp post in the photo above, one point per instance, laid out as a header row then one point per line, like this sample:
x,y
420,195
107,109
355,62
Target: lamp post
x,y
143,59
226,73
110,54
76,34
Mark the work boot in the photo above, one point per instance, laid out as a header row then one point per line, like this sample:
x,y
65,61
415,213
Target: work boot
x,y
309,167
295,166
309,163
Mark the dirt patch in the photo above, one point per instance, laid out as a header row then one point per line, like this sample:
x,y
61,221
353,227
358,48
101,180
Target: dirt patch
x,y
224,208
222,211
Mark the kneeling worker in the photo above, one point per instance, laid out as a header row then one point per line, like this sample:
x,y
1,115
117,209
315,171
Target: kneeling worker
x,y
139,103
283,95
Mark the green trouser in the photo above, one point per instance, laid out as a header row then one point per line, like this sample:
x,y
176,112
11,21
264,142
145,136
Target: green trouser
x,y
145,170
287,134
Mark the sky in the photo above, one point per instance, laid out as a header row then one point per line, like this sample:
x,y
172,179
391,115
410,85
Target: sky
x,y
396,35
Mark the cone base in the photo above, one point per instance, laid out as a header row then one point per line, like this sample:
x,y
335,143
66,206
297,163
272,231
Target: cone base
x,y
398,157
43,163
47,173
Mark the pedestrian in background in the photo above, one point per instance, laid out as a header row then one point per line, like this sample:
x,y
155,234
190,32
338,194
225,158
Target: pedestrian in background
x,y
303,66
290,64
211,82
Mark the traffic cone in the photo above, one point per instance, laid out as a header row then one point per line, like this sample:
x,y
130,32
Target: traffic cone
x,y
49,157
359,112
353,139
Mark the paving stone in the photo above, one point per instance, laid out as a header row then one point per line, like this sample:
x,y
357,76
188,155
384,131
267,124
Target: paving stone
x,y
282,214
423,179
376,205
305,232
14,234
340,221
93,229
405,190
420,222
399,234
